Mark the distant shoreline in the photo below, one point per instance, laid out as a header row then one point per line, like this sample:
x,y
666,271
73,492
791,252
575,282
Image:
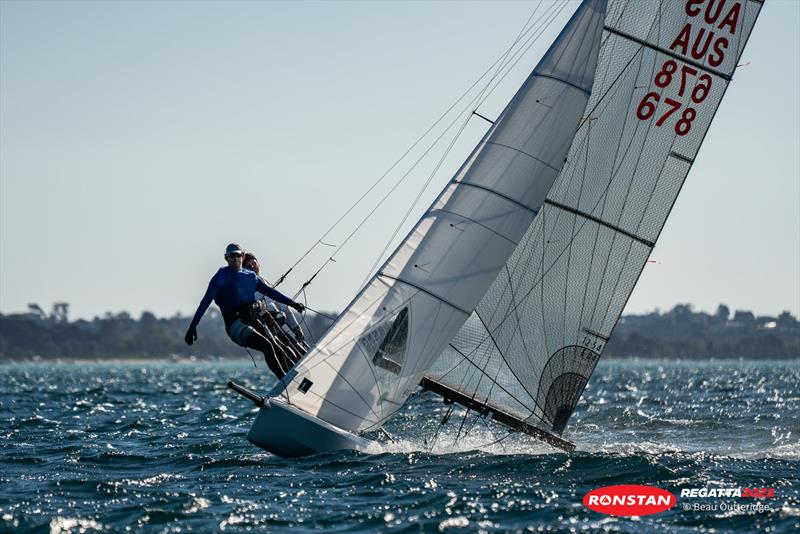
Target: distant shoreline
x,y
129,359
218,360
677,334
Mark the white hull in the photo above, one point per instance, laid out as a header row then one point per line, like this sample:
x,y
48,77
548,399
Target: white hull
x,y
288,432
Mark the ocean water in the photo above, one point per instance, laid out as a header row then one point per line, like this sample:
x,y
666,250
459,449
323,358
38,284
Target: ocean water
x,y
160,447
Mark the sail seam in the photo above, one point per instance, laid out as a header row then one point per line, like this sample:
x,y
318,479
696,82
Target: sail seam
x,y
651,46
601,222
515,149
427,292
565,82
499,194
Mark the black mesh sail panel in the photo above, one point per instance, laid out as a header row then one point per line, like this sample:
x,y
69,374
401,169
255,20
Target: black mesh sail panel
x,y
533,341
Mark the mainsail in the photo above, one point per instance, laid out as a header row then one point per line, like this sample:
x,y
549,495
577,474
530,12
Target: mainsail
x,y
374,356
534,339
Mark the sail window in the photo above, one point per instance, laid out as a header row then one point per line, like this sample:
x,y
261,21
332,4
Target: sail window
x,y
305,385
391,352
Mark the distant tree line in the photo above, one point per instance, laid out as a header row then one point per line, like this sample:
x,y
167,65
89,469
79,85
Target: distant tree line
x,y
678,333
39,335
682,333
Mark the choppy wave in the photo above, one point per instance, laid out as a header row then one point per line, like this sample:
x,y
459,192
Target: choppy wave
x,y
160,447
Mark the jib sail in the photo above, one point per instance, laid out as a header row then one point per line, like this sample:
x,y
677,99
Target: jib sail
x,y
534,339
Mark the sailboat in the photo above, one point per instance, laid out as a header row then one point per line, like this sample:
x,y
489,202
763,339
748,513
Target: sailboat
x,y
503,295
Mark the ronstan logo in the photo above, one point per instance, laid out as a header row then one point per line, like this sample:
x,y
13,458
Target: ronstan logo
x,y
629,500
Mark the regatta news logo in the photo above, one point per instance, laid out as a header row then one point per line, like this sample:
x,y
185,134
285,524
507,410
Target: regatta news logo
x,y
629,500
747,493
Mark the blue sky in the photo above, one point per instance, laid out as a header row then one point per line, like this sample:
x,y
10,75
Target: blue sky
x,y
138,139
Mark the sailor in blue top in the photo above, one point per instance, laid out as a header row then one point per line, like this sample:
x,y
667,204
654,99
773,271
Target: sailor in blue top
x,y
233,289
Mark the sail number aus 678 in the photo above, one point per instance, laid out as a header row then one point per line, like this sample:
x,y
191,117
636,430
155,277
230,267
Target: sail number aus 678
x,y
708,44
688,75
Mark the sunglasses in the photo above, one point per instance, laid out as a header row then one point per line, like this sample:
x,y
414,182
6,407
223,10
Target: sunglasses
x,y
234,255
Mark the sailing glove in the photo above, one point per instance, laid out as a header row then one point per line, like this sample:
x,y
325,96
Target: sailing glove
x,y
298,333
297,306
191,335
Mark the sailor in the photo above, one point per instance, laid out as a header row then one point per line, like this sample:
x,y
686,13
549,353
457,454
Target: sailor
x,y
281,312
233,289
271,320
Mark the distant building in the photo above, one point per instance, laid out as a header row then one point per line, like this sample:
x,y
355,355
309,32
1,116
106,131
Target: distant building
x,y
743,318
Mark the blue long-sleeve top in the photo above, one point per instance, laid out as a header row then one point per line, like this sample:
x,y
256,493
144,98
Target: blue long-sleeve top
x,y
230,289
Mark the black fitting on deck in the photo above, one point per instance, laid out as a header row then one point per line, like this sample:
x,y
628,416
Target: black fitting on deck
x,y
244,392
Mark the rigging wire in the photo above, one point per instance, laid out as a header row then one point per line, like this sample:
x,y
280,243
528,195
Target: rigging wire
x,y
386,173
251,356
439,428
480,98
499,440
421,397
532,39
548,17
414,203
322,314
461,426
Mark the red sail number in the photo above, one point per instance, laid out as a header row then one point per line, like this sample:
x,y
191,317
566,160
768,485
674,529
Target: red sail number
x,y
663,79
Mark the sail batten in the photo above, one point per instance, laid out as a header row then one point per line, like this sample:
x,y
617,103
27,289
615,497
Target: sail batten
x,y
499,194
565,82
422,289
600,221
